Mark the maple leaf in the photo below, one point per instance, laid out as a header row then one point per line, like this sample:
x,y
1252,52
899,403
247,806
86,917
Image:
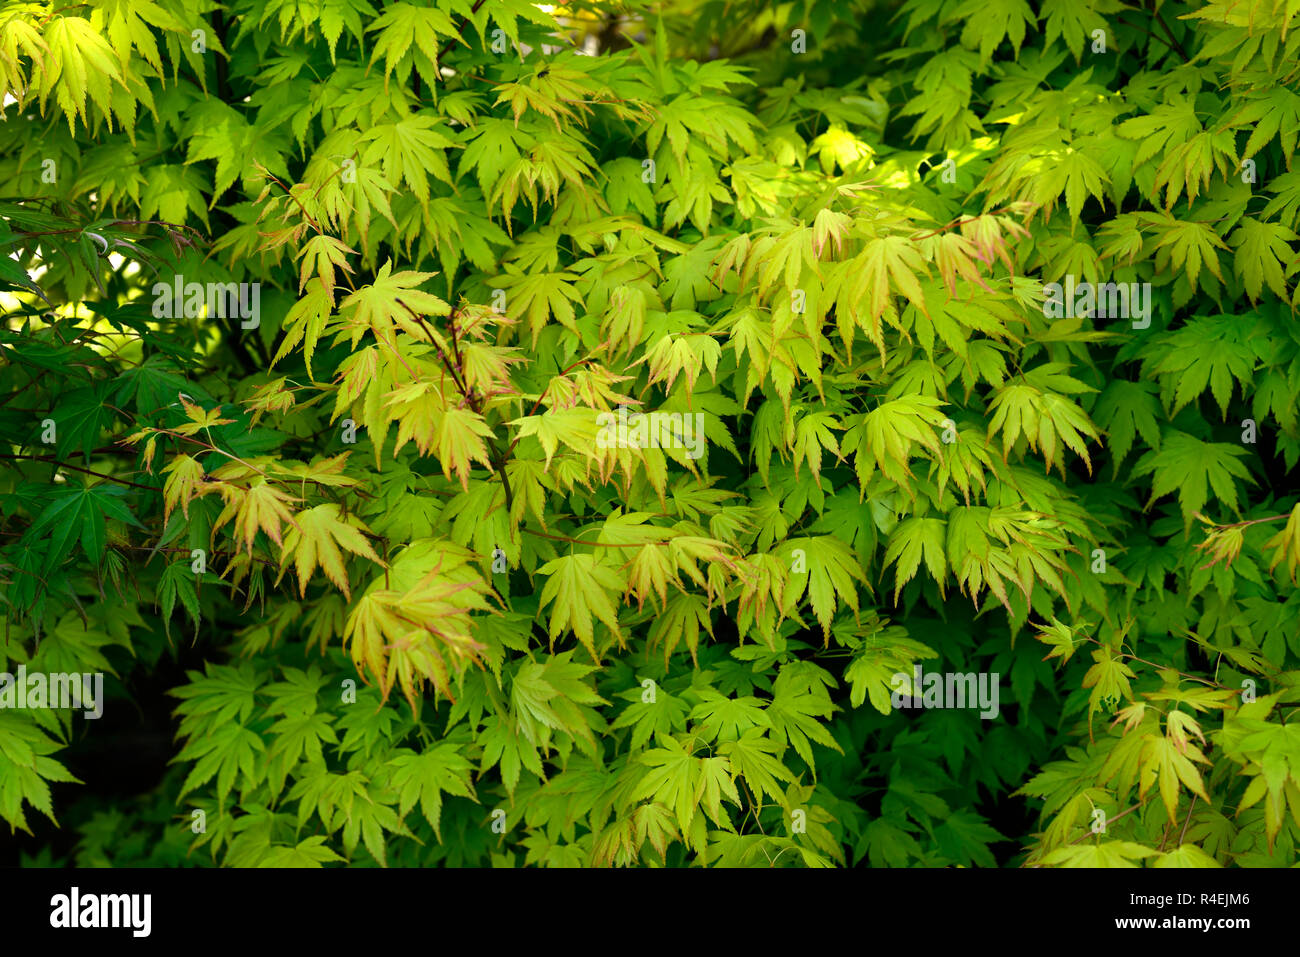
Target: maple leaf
x,y
1192,468
886,436
882,655
578,589
314,540
886,260
261,507
25,769
1191,245
200,418
393,299
797,710
988,22
826,568
402,24
755,757
722,719
1286,544
911,541
1270,114
1032,408
305,323
1163,760
1263,252
1104,854
1125,410
426,776
423,634
319,256
80,62
407,149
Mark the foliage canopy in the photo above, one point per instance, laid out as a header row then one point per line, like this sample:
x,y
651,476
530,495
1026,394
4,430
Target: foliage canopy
x,y
431,615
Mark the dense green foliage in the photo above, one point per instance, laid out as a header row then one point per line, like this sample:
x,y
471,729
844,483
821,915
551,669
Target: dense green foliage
x,y
432,616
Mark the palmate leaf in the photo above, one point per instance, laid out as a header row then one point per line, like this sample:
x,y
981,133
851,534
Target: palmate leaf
x,y
1190,245
1212,352
1079,176
797,710
404,24
1109,680
554,696
455,435
882,655
1272,756
887,265
79,516
558,91
183,485
1032,408
887,436
887,843
672,779
912,541
1275,113
297,737
1061,638
261,507
408,149
987,24
538,297
1164,761
306,321
315,540
80,63
26,768
368,819
231,753
1185,855
965,836
578,590
1285,545
670,356
320,255
1127,410
577,428
724,719
754,757
83,417
419,627
219,695
687,784
308,853
1072,22
683,617
393,301
425,777
1264,253
665,715
177,581
829,572
1194,468
652,823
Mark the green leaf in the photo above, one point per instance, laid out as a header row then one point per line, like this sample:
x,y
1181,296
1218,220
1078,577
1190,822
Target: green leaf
x,y
426,776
